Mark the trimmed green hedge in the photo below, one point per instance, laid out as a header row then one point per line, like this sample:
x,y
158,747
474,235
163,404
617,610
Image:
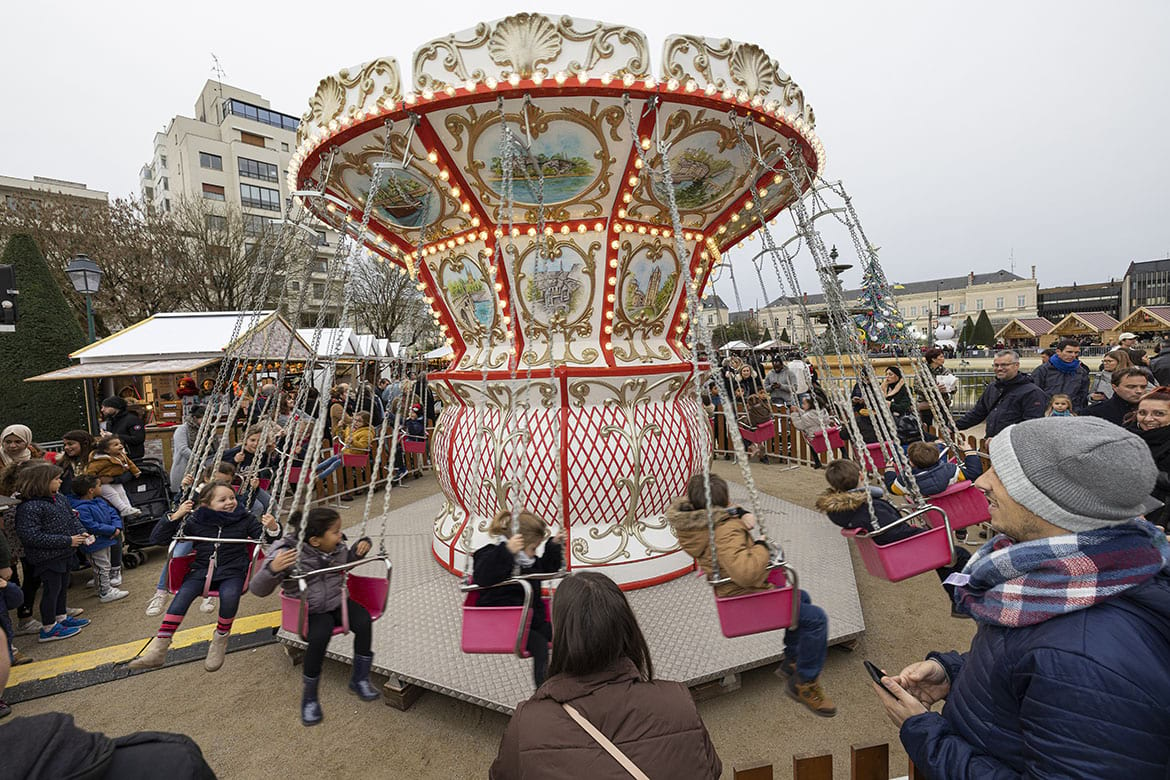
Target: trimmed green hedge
x,y
45,335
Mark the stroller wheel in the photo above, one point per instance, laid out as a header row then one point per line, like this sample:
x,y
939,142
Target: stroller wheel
x,y
130,559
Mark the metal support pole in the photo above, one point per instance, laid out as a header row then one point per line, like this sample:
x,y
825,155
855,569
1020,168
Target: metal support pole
x,y
91,408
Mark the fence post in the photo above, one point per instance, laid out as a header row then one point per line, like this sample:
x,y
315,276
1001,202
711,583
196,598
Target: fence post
x,y
753,771
869,762
809,767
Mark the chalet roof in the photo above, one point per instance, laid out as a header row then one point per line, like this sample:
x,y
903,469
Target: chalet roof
x,y
948,284
1037,326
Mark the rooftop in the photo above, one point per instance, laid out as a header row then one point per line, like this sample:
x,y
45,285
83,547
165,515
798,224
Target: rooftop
x,y
947,284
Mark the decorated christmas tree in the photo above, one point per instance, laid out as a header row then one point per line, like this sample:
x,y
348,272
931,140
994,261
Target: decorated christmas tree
x,y
878,317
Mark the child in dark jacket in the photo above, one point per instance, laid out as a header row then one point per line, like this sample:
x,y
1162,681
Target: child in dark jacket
x,y
515,554
323,548
49,531
745,561
220,516
933,473
104,523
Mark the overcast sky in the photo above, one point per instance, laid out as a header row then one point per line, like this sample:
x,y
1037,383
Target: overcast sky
x,y
966,132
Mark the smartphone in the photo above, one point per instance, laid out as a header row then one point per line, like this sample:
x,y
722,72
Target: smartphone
x,y
876,675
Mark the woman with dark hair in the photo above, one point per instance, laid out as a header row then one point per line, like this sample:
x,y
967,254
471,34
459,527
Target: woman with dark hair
x,y
601,713
1151,421
76,448
896,392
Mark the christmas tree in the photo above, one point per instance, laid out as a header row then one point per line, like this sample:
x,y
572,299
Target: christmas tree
x,y
878,317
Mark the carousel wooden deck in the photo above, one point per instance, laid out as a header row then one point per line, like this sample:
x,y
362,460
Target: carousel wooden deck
x,y
417,641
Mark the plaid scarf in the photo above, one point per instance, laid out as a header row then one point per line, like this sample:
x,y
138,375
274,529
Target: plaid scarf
x,y
1015,584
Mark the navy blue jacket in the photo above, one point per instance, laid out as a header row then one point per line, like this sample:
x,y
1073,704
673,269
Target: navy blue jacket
x,y
232,559
851,510
46,527
1083,695
1053,381
1005,403
493,563
1114,409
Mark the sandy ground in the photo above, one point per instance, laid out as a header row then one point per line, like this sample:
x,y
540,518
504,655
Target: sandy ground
x,y
246,716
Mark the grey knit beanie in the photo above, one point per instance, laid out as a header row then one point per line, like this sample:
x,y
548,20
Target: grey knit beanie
x,y
1079,474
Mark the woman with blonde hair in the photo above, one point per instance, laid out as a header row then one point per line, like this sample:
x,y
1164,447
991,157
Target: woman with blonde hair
x,y
1101,386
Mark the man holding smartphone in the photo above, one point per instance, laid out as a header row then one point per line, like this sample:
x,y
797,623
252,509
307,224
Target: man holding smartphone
x,y
1067,675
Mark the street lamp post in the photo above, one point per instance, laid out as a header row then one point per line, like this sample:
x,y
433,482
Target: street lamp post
x,y
87,280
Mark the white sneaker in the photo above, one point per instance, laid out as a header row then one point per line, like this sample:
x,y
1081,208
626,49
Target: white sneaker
x,y
28,626
73,611
157,602
131,512
113,594
89,583
116,576
208,604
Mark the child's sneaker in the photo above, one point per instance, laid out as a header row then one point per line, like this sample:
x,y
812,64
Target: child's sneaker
x,y
74,622
20,659
113,594
28,626
57,631
157,602
89,583
74,611
116,576
208,604
131,512
811,695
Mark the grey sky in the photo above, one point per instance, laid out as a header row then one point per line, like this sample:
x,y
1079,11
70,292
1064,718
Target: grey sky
x,y
964,131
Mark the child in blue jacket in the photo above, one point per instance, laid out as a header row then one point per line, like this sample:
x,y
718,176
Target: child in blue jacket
x,y
104,523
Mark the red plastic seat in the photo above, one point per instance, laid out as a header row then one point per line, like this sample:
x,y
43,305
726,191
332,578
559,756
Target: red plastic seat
x,y
765,431
179,566
371,592
964,505
765,610
876,454
415,446
501,630
820,446
927,550
357,461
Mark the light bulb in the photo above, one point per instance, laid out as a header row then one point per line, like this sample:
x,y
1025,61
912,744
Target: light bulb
x,y
432,158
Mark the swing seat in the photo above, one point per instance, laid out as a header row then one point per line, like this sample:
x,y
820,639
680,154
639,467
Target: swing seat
x,y
355,461
819,444
964,505
179,566
265,483
765,610
763,432
369,591
502,630
925,551
415,446
875,454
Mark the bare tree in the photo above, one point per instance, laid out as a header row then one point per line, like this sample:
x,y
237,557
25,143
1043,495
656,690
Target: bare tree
x,y
386,303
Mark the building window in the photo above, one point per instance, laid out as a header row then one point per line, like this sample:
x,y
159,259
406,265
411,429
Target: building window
x,y
322,238
212,161
978,304
710,319
998,303
255,113
294,286
167,205
318,290
913,311
254,224
165,184
254,169
259,197
162,160
963,306
216,222
1021,301
252,139
213,192
149,193
319,267
283,146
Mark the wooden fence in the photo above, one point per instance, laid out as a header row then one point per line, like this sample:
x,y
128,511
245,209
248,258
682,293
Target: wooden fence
x,y
866,762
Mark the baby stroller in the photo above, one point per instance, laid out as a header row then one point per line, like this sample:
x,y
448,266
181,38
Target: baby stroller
x,y
150,492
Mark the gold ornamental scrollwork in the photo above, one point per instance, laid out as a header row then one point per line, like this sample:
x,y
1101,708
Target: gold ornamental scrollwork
x,y
601,48
647,320
563,319
451,50
332,97
626,398
750,69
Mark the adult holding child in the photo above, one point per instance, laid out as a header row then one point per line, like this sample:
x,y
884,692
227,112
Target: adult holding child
x,y
601,714
1066,675
119,421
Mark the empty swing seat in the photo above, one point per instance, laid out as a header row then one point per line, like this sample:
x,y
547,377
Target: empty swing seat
x,y
763,432
369,591
964,504
501,630
821,446
876,455
765,610
927,550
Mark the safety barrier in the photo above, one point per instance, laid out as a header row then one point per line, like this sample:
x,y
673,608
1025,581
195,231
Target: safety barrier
x,y
866,762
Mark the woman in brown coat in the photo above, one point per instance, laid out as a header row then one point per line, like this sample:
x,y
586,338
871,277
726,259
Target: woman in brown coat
x,y
601,678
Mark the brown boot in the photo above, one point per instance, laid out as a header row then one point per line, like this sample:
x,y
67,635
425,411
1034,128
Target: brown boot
x,y
811,695
154,656
216,652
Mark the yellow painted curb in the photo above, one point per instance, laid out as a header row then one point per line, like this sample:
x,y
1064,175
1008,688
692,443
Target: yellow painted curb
x,y
91,659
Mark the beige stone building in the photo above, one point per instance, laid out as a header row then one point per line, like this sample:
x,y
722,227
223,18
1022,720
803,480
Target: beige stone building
x,y
234,150
1002,294
13,190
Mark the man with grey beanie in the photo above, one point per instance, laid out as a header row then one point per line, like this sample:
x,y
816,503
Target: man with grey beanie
x,y
1068,675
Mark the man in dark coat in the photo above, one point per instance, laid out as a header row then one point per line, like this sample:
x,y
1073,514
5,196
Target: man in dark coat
x,y
1129,385
1160,365
126,425
1010,399
1066,675
1137,355
1065,373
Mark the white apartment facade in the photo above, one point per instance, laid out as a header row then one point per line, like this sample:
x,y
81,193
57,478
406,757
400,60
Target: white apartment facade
x,y
235,150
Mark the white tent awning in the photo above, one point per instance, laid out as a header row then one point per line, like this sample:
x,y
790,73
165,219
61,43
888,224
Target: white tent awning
x,y
441,352
99,370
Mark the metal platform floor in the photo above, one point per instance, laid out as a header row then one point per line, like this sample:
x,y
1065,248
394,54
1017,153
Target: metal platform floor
x,y
417,640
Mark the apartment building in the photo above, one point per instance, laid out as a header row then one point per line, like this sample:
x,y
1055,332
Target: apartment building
x,y
234,150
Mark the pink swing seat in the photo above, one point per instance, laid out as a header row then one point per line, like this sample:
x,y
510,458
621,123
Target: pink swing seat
x,y
414,446
501,630
820,446
179,566
356,460
369,591
765,431
875,454
963,504
765,610
925,551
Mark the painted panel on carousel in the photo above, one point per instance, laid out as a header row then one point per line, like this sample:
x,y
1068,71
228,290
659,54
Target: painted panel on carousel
x,y
555,281
648,285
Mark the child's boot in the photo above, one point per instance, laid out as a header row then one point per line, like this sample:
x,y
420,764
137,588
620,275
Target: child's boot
x,y
311,713
216,651
154,656
811,695
359,683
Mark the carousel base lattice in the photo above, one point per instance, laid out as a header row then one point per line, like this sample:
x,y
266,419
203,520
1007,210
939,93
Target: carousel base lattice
x,y
417,640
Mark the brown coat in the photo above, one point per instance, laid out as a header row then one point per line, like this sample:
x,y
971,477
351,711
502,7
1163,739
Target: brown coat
x,y
740,558
654,723
108,467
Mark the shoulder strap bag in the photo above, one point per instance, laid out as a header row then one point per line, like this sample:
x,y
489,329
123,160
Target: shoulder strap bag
x,y
610,748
